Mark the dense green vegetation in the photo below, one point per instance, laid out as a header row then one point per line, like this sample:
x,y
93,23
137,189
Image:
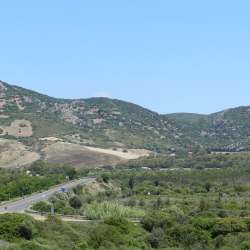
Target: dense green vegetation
x,y
23,232
199,208
184,118
41,176
200,160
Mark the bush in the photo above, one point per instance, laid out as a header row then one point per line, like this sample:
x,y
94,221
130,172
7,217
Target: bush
x,y
105,177
245,245
156,238
75,202
102,210
225,226
28,228
41,206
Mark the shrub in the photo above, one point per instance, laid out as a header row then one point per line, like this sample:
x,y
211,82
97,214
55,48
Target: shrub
x,y
75,202
102,210
105,177
41,206
245,245
225,226
28,228
156,238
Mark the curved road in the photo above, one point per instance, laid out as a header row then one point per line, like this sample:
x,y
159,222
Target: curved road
x,y
20,205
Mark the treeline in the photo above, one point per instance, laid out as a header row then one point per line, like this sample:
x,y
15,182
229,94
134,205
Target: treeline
x,y
230,176
199,161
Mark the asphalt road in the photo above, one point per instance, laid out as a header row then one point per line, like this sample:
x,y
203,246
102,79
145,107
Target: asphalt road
x,y
20,205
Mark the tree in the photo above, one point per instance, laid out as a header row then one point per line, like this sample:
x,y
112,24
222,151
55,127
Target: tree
x,y
78,189
28,228
75,202
159,202
70,171
228,225
105,177
207,186
131,182
156,238
204,205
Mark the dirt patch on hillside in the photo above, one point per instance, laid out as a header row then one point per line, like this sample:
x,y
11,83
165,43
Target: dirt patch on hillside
x,y
96,121
50,139
79,156
15,154
2,103
18,102
131,153
18,128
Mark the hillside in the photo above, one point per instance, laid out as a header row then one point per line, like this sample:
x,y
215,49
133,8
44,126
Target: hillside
x,y
38,121
227,130
35,126
184,118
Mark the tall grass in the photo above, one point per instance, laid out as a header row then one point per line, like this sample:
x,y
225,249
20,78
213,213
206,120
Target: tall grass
x,y
105,209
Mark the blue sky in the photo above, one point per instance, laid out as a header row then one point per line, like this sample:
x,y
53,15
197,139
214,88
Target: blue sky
x,y
165,55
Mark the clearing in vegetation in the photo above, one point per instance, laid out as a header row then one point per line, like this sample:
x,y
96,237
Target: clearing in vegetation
x,y
79,156
130,154
18,128
14,154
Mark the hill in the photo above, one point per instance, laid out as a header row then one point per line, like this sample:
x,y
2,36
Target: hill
x,y
38,121
57,130
227,130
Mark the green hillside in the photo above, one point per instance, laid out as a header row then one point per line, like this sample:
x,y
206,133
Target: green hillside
x,y
228,130
99,122
183,118
112,123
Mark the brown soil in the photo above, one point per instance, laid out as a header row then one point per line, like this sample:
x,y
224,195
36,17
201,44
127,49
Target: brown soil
x,y
79,156
15,154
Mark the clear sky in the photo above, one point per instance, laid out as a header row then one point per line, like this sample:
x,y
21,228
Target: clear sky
x,y
165,55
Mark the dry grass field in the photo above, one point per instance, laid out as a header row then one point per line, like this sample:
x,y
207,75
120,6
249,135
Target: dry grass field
x,y
14,154
131,153
79,156
18,128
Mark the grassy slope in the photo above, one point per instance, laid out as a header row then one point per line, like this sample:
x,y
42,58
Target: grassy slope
x,y
184,117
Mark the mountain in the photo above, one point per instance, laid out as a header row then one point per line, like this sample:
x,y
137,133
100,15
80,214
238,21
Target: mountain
x,y
98,131
46,126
